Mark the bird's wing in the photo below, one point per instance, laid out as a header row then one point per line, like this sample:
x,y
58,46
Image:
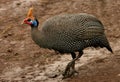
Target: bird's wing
x,y
73,27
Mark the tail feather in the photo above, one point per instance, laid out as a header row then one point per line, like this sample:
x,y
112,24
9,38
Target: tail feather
x,y
109,48
105,43
99,41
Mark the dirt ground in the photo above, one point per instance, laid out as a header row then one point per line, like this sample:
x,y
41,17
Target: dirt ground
x,y
21,60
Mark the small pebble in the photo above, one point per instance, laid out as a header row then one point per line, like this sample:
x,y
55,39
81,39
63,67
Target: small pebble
x,y
119,75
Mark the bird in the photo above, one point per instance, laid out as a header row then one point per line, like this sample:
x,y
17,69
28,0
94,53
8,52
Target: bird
x,y
68,33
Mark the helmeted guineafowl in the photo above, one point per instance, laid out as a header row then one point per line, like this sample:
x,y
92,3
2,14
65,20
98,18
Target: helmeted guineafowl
x,y
68,33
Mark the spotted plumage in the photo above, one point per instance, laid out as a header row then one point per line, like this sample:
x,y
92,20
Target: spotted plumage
x,y
70,33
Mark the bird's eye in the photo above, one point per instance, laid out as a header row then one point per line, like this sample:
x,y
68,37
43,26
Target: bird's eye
x,y
29,20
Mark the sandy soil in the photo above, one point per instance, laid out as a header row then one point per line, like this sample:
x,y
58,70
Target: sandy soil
x,y
21,60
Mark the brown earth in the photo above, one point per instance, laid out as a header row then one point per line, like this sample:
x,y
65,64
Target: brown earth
x,y
21,60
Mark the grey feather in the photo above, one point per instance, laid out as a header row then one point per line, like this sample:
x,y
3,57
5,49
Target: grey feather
x,y
71,32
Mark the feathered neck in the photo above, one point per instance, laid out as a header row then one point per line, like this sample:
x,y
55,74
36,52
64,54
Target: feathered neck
x,y
37,36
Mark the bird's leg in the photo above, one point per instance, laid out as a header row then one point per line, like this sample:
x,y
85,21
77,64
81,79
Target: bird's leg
x,y
70,68
73,66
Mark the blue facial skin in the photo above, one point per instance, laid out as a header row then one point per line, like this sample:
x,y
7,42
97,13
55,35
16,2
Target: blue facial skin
x,y
34,23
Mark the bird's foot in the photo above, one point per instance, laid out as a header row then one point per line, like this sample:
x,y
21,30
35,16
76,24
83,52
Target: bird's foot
x,y
69,71
69,74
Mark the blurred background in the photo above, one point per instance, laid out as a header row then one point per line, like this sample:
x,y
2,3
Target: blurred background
x,y
21,60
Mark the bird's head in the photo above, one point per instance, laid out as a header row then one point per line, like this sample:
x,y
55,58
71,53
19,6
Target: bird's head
x,y
30,19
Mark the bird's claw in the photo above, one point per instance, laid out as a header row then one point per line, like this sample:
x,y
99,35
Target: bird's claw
x,y
69,74
69,71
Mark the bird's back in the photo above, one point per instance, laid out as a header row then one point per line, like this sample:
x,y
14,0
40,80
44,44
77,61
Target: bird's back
x,y
72,32
74,25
